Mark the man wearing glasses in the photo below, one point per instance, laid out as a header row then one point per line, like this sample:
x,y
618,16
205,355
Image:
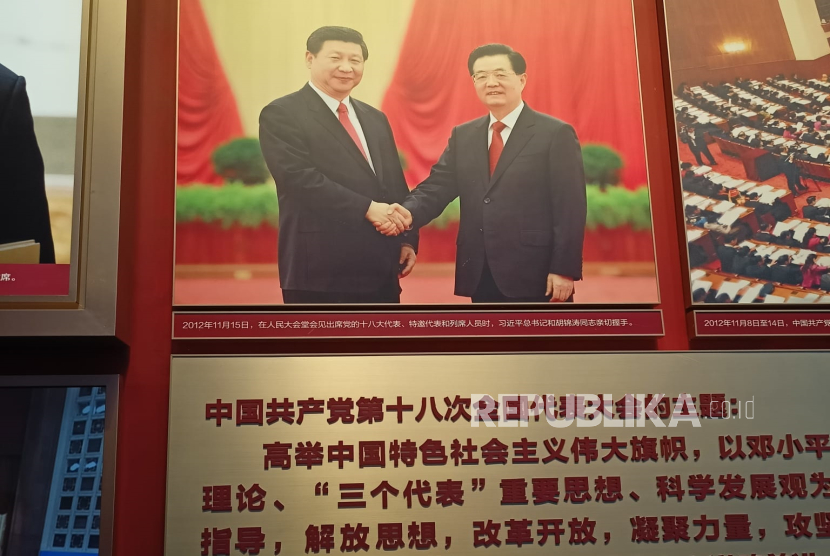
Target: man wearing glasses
x,y
521,182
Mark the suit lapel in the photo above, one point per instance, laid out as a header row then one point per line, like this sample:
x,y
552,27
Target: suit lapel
x,y
328,120
519,136
372,134
481,156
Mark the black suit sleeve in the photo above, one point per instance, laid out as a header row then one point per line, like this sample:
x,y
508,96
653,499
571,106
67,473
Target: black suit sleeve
x,y
24,210
427,201
412,236
569,205
289,159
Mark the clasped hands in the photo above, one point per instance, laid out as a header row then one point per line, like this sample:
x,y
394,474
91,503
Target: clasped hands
x,y
390,220
393,219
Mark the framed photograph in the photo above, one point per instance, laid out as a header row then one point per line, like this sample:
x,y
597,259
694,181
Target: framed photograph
x,y
57,466
752,110
421,152
61,94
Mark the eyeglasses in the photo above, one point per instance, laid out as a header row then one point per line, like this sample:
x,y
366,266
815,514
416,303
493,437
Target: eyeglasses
x,y
500,75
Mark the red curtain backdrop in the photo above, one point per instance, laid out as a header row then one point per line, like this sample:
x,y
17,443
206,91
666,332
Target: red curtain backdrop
x,y
208,115
582,68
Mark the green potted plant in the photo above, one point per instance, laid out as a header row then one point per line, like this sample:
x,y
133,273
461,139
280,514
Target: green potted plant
x,y
240,160
602,165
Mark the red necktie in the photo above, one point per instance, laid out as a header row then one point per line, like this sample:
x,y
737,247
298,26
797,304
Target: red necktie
x,y
496,145
343,114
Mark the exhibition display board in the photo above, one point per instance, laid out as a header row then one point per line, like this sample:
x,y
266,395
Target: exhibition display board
x,y
629,454
749,93
272,195
580,250
61,100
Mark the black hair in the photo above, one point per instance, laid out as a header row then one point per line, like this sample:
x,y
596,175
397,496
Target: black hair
x,y
699,294
811,199
723,298
517,61
330,33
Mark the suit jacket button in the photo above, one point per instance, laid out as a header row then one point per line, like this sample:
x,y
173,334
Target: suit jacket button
x,y
486,200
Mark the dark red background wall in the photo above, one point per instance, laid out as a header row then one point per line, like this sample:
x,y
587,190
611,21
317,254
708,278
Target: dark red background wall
x,y
143,349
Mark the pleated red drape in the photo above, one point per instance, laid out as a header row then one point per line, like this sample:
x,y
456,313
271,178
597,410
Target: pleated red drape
x,y
208,115
582,68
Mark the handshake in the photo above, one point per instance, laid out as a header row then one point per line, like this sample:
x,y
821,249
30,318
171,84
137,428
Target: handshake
x,y
390,220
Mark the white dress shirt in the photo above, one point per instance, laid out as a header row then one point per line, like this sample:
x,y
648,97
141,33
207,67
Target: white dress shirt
x,y
333,104
509,121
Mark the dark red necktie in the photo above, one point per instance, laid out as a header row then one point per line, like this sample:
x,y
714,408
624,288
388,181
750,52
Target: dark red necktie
x,y
496,145
343,114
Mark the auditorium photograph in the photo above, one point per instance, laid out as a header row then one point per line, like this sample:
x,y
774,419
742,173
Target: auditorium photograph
x,y
752,113
411,197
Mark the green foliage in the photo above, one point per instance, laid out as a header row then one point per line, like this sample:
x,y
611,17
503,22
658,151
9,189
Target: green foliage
x,y
240,160
602,164
451,214
252,206
248,206
618,206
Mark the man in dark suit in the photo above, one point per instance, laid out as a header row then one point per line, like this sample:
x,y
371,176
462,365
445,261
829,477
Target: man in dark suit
x,y
726,253
763,234
694,137
812,212
24,210
757,269
789,167
521,183
336,168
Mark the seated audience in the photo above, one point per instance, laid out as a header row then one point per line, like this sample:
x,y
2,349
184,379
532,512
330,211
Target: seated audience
x,y
812,272
784,272
763,233
809,235
726,253
699,295
715,226
741,260
723,298
695,216
820,244
766,290
811,212
757,268
780,210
